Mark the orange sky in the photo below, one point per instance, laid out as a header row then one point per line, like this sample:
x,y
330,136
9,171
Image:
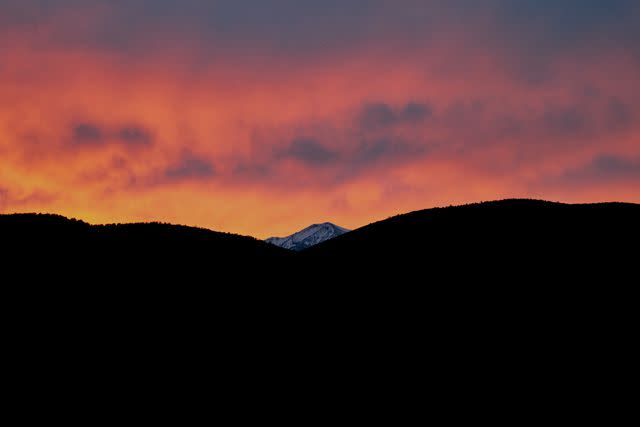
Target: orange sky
x,y
254,138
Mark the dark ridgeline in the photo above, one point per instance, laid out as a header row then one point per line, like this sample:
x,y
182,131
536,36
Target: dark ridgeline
x,y
511,265
507,300
73,249
509,241
503,242
527,248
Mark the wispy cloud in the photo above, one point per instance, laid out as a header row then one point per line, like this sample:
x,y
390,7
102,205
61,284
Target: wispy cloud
x,y
90,134
190,166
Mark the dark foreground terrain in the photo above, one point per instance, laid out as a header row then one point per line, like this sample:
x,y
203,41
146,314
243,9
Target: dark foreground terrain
x,y
511,255
506,242
56,247
510,240
515,308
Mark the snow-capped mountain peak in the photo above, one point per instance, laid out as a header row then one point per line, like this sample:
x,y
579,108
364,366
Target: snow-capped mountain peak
x,y
310,236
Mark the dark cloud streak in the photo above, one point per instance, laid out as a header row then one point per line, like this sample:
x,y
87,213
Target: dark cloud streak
x,y
379,116
190,166
87,134
90,134
310,152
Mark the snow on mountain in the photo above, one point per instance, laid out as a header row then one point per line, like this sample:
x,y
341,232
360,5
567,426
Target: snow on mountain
x,y
310,236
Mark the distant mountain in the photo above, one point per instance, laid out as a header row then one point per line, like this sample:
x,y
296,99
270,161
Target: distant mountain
x,y
310,236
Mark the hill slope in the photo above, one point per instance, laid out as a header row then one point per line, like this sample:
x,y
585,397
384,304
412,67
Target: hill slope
x,y
489,240
503,294
147,250
506,241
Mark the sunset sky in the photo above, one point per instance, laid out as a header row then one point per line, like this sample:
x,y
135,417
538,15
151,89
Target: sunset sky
x,y
261,117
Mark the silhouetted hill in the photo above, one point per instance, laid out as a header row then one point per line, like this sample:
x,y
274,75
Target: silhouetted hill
x,y
145,251
509,240
501,242
531,298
